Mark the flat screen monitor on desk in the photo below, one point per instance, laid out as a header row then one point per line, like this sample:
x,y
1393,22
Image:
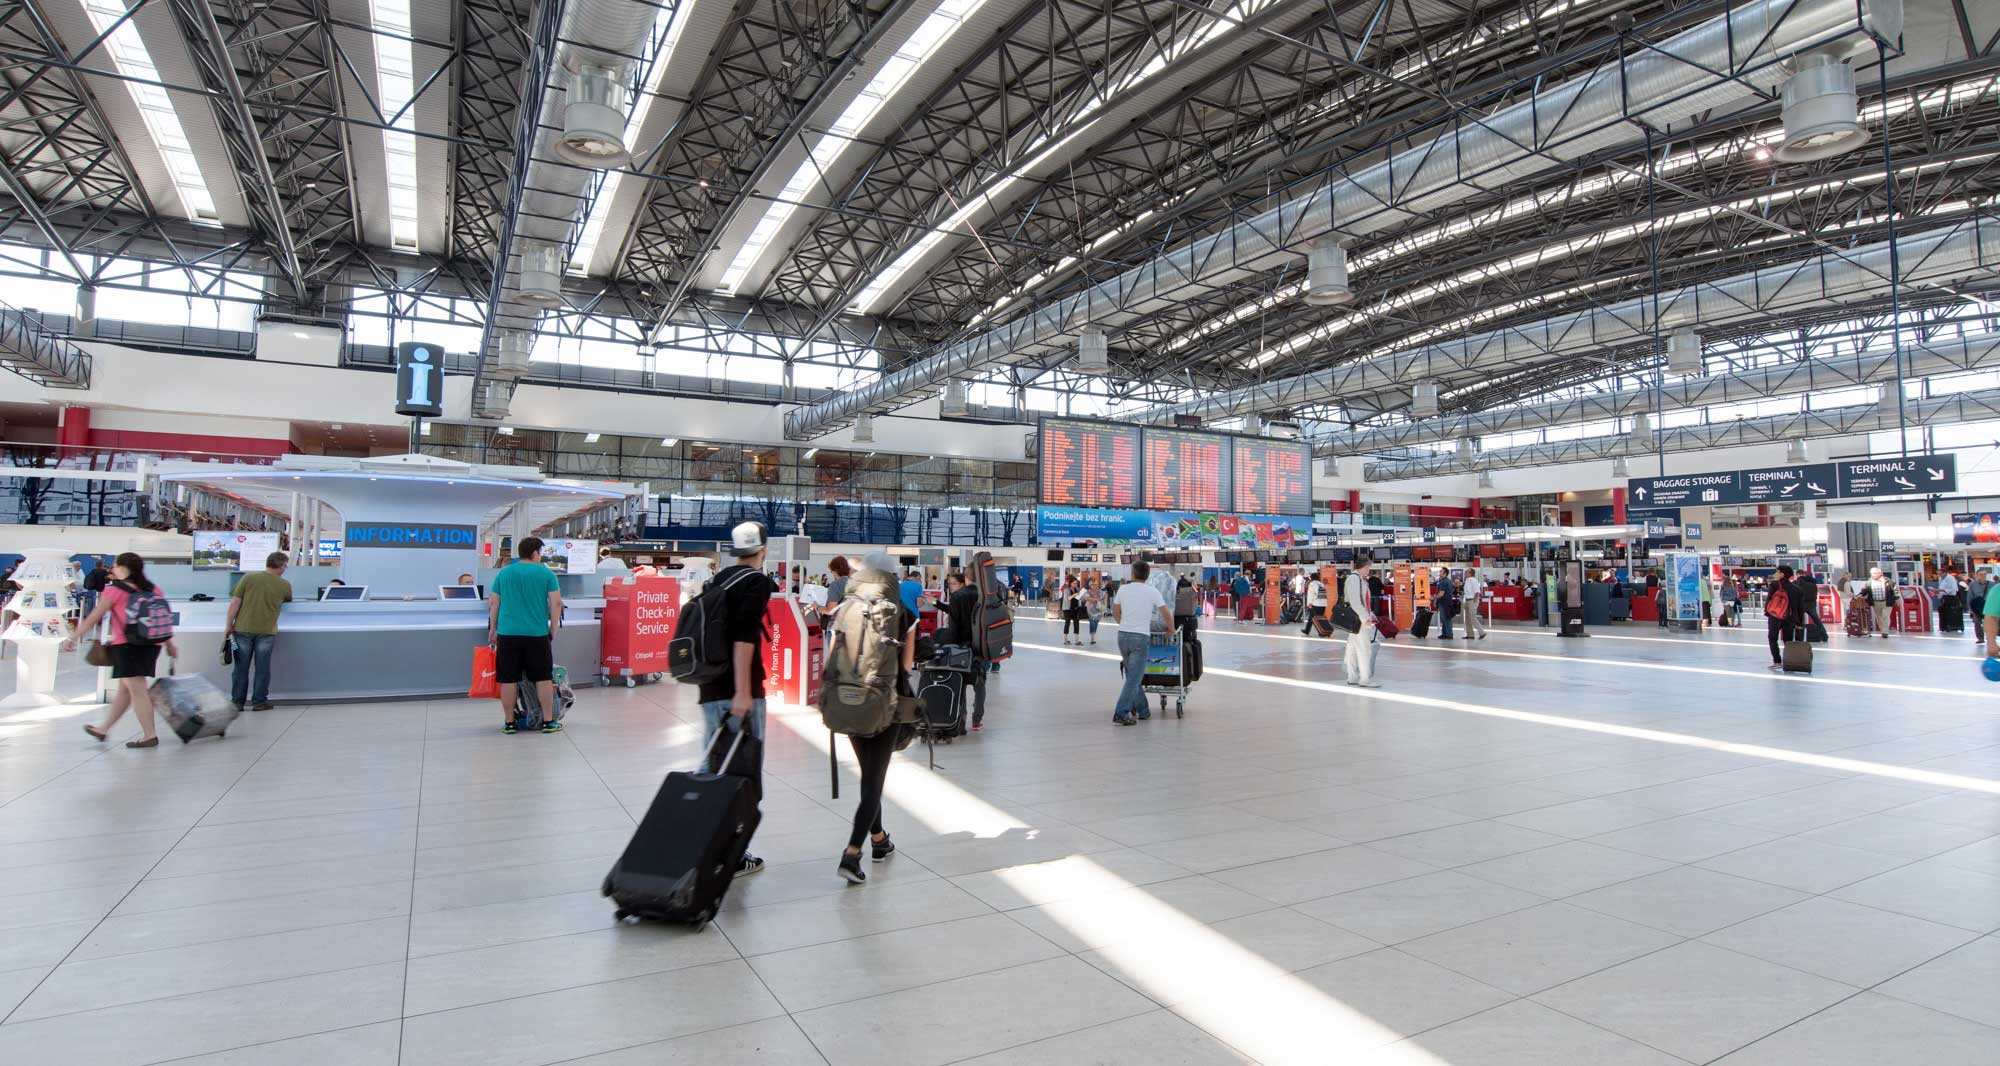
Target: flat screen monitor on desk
x,y
458,592
347,593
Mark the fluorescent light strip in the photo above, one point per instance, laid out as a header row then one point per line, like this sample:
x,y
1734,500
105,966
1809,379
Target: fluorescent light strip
x,y
396,85
128,53
670,21
895,73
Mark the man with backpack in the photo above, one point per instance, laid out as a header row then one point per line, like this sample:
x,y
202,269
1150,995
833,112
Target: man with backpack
x,y
741,596
1781,615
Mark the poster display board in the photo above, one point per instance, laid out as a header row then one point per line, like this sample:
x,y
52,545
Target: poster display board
x,y
570,556
1977,527
1683,583
232,549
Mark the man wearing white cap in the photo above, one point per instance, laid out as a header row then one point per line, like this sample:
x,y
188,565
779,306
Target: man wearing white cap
x,y
739,694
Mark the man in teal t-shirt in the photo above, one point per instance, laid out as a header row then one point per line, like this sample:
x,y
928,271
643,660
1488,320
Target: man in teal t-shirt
x,y
523,607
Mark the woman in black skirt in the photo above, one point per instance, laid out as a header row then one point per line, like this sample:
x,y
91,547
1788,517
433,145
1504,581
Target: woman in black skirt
x,y
133,662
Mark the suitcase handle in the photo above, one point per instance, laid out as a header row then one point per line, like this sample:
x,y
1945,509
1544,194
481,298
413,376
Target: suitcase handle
x,y
740,730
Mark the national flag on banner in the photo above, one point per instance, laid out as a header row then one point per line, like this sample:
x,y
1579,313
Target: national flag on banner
x,y
1230,525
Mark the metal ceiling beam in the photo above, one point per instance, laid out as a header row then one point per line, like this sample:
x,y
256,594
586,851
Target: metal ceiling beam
x,y
66,172
264,199
1979,406
766,82
1790,379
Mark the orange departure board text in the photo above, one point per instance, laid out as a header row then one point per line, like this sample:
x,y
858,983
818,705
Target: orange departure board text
x,y
1187,471
1273,476
1090,464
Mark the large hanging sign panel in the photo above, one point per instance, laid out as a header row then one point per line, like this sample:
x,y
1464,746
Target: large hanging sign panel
x,y
1090,464
1273,476
1978,527
1187,471
1899,477
1919,474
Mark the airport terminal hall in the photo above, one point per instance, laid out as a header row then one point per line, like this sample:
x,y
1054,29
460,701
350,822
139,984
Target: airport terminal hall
x,y
1000,532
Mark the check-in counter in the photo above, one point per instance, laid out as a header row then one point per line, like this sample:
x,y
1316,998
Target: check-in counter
x,y
376,649
1510,603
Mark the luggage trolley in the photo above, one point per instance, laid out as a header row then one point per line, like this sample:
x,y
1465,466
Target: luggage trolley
x,y
1165,671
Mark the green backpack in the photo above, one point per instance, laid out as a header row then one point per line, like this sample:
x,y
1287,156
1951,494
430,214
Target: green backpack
x,y
857,692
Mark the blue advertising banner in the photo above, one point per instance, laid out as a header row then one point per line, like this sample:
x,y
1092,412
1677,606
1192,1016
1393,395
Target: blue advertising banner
x,y
1169,529
1977,527
1686,576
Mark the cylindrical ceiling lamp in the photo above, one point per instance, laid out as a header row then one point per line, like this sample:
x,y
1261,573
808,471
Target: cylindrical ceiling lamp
x,y
1326,275
1093,353
1820,110
541,274
864,429
594,118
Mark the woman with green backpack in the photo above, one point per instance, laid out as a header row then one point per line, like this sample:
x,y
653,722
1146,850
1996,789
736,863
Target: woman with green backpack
x,y
871,647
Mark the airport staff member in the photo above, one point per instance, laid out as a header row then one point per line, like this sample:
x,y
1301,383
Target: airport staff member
x,y
252,629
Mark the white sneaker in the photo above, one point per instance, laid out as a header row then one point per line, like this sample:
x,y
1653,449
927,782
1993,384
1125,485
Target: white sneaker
x,y
1368,684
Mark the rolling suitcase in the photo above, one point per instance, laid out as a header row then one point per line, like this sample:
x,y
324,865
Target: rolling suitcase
x,y
1572,622
685,852
1857,618
1951,615
1420,626
1798,657
1322,625
1191,661
1815,631
1387,627
192,705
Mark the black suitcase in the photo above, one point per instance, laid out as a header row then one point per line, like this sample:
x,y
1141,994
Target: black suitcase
x,y
942,693
1322,625
1420,626
1572,622
1951,615
1190,660
1815,631
684,854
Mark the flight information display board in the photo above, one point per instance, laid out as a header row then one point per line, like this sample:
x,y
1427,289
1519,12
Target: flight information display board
x,y
1273,476
1090,464
1187,471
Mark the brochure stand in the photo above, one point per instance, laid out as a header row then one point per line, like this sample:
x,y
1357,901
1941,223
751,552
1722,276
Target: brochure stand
x,y
39,624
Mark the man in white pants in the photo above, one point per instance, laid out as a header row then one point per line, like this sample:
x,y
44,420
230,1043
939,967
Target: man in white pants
x,y
1360,660
1469,605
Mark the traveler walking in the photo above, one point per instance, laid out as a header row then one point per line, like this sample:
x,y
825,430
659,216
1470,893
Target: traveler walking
x,y
1780,615
736,695
1978,585
1072,610
252,630
1359,661
1445,595
1951,603
1877,596
875,752
1805,600
1469,595
1137,609
1730,603
1707,601
1315,603
523,610
961,605
1239,594
1094,605
135,606
94,583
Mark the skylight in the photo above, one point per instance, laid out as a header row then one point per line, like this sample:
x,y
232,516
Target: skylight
x,y
1047,145
895,73
128,53
395,85
667,26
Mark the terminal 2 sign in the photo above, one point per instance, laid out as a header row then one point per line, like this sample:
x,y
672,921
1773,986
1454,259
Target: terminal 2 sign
x,y
1917,475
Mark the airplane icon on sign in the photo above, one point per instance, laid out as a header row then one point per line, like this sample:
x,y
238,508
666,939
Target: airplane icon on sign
x,y
1813,485
1906,483
1788,489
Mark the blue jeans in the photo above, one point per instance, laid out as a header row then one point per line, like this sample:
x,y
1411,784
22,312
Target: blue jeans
x,y
1094,620
1445,610
714,711
1132,651
251,646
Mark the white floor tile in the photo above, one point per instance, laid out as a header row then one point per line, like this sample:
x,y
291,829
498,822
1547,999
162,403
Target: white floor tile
x,y
807,978
1846,942
1687,901
1868,1030
1537,948
1404,910
1959,982
1521,1033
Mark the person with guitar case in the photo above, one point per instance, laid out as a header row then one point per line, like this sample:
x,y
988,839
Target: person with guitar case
x,y
993,640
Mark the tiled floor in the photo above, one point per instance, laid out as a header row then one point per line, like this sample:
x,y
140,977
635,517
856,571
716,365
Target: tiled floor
x,y
1637,849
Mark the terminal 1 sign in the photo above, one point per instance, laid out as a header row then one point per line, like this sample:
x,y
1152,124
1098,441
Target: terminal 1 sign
x,y
1918,474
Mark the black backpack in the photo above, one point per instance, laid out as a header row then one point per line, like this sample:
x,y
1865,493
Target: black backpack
x,y
700,650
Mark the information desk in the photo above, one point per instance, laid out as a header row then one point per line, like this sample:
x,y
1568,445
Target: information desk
x,y
378,649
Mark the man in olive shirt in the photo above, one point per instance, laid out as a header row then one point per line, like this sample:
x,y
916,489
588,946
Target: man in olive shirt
x,y
524,606
253,629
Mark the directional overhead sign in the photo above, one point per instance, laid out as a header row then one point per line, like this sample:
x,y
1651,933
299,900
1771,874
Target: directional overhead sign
x,y
1899,477
1783,484
1919,474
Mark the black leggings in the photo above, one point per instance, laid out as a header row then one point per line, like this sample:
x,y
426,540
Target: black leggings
x,y
1072,622
874,754
1777,631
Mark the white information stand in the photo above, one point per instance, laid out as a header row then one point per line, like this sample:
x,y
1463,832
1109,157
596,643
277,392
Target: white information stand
x,y
39,624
